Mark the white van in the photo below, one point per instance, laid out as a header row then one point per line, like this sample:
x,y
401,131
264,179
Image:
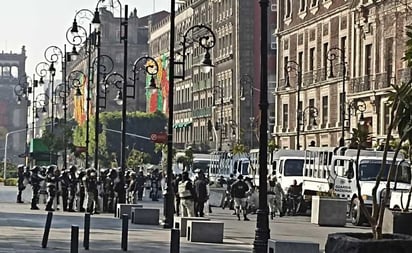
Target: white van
x,y
288,166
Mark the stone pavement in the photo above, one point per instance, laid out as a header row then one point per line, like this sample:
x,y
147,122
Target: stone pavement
x,y
22,232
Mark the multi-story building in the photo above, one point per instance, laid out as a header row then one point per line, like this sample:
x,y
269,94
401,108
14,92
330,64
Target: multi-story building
x,y
112,48
215,110
340,59
12,115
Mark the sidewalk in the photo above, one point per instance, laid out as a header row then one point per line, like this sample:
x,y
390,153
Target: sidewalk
x,y
22,232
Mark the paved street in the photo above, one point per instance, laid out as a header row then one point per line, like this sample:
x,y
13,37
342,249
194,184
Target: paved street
x,y
22,231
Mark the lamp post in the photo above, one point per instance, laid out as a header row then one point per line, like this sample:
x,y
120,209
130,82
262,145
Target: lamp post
x,y
246,80
356,106
102,65
333,54
22,91
219,126
262,232
293,66
207,42
52,54
312,113
123,38
77,35
150,67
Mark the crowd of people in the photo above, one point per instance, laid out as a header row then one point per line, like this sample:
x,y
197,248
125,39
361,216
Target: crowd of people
x,y
79,189
86,190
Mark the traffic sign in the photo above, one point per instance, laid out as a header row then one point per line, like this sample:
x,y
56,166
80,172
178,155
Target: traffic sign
x,y
159,137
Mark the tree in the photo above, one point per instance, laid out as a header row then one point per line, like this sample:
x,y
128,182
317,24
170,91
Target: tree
x,y
137,158
400,119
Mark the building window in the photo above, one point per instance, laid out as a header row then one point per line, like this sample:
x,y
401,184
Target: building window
x,y
388,60
368,66
311,59
300,61
288,5
325,59
325,111
285,122
311,112
314,3
302,5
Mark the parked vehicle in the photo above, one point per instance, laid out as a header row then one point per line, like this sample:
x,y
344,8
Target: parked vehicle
x,y
327,168
225,163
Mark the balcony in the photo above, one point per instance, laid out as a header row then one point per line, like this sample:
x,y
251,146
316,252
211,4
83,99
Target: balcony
x,y
360,84
183,106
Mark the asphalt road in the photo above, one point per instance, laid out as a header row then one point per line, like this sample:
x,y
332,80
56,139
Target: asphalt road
x,y
238,235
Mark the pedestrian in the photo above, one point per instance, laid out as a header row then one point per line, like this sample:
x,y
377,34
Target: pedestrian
x,y
202,196
187,196
228,202
20,182
131,189
155,183
238,193
175,183
279,196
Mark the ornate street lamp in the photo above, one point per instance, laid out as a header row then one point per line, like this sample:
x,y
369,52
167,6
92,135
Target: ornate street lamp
x,y
150,67
207,42
334,54
22,91
219,125
102,65
262,232
246,81
293,66
52,54
312,112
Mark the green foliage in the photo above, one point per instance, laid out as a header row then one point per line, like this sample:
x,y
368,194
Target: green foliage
x,y
11,170
272,145
238,148
139,123
61,132
137,158
10,182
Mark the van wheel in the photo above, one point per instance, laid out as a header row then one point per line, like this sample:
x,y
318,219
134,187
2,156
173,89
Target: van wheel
x,y
356,213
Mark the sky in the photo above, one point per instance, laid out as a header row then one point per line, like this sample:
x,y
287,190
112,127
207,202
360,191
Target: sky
x,y
38,24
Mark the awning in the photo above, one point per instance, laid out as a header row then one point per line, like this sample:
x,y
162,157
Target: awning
x,y
182,124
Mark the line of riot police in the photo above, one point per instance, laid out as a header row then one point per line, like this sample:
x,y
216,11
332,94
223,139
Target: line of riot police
x,y
75,186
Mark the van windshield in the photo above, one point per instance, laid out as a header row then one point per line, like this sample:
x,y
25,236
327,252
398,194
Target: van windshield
x,y
369,169
202,165
293,167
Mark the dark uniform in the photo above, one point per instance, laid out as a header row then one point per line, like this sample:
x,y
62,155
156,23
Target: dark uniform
x,y
140,182
238,192
73,184
35,180
92,191
51,184
21,176
82,190
200,186
65,184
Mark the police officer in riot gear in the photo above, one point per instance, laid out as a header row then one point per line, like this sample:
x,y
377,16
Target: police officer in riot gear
x,y
73,182
51,184
82,190
21,176
238,192
92,191
140,182
65,185
35,180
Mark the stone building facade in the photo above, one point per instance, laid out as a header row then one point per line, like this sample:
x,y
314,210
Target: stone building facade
x,y
348,54
13,115
213,110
